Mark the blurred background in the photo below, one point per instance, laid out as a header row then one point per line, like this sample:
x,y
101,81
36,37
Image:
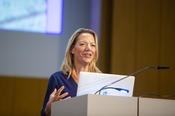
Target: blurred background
x,y
132,34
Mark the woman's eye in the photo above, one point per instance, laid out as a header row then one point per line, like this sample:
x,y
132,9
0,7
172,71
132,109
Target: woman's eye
x,y
93,45
81,44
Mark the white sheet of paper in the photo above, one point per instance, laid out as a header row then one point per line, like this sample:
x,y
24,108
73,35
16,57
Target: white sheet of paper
x,y
89,83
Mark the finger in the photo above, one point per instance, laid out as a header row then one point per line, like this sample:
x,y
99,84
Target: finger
x,y
67,98
54,92
52,96
60,90
63,95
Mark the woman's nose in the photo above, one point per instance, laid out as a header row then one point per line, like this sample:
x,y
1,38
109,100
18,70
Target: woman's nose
x,y
88,47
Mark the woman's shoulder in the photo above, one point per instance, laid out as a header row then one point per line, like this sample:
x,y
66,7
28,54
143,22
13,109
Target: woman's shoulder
x,y
58,75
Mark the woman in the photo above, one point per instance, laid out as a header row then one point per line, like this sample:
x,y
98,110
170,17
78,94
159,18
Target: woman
x,y
81,55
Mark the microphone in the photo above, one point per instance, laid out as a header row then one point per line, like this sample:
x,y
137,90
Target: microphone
x,y
163,67
133,74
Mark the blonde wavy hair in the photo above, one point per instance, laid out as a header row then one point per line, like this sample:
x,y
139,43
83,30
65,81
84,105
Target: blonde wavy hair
x,y
68,67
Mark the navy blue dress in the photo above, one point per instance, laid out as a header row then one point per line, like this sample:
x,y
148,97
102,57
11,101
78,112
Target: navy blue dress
x,y
57,80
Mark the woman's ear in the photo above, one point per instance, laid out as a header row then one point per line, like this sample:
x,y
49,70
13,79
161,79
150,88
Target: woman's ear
x,y
73,50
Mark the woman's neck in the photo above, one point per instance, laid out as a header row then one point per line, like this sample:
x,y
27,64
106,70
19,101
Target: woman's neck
x,y
78,69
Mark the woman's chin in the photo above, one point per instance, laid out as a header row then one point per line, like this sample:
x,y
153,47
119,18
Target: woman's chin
x,y
87,61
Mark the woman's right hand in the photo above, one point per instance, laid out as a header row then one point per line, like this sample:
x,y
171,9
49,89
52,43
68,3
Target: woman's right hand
x,y
55,96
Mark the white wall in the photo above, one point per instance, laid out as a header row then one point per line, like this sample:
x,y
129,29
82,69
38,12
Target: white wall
x,y
40,55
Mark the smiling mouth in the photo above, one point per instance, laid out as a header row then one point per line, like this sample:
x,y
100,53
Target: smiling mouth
x,y
87,55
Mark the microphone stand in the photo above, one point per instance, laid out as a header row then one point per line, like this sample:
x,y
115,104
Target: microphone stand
x,y
132,74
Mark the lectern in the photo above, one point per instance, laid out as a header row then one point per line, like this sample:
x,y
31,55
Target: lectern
x,y
95,105
156,107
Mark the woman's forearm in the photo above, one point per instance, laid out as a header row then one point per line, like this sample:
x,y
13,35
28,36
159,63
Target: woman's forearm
x,y
48,109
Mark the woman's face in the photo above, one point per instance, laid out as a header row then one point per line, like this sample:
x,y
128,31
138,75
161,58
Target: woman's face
x,y
85,49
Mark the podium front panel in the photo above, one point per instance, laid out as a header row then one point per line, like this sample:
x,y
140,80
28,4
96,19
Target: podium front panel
x,y
156,107
99,105
76,106
95,105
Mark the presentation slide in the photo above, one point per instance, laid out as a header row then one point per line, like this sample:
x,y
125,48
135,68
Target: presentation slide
x,y
43,16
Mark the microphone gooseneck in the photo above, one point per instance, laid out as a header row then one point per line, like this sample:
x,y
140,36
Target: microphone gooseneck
x,y
133,74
